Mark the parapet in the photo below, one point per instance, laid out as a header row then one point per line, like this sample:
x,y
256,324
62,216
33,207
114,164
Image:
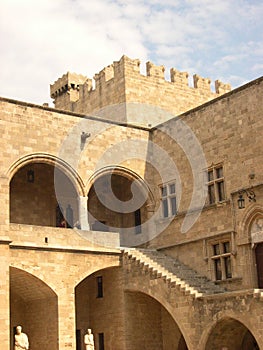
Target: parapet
x,y
154,71
222,88
177,76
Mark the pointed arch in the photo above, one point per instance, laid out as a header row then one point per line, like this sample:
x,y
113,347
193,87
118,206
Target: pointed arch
x,y
247,220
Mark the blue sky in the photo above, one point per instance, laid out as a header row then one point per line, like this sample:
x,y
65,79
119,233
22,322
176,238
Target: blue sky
x,y
41,40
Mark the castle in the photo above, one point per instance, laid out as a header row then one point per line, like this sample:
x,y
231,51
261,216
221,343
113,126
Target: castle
x,y
134,208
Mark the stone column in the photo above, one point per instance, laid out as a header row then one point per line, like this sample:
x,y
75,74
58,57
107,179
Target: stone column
x,y
83,213
66,319
4,293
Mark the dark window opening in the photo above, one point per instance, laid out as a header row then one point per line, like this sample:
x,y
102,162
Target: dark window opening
x,y
137,219
78,339
216,186
101,341
99,287
69,216
165,208
218,269
173,205
227,261
222,260
168,200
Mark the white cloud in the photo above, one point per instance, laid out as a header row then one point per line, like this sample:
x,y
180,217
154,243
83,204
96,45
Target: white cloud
x,y
40,40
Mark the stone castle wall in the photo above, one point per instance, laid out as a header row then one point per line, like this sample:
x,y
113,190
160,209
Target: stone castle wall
x,y
121,85
61,271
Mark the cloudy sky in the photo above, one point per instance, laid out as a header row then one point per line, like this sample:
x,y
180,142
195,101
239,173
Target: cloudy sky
x,y
43,39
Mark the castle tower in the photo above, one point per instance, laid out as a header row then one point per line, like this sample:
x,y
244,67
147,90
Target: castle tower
x,y
123,94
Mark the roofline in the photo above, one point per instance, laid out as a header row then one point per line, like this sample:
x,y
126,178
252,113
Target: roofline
x,y
221,97
74,114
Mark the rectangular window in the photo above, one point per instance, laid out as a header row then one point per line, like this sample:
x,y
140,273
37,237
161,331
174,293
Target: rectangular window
x,y
221,258
99,287
137,220
101,341
215,184
168,200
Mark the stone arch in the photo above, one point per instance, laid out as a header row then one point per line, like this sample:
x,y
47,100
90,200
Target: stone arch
x,y
82,275
157,326
52,160
228,333
29,299
119,200
42,201
123,171
247,221
175,313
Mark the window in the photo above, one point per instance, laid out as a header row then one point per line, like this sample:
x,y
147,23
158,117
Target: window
x,y
99,287
221,259
168,199
137,221
101,341
215,183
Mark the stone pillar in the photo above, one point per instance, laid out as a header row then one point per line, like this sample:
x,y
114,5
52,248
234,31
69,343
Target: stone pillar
x,y
83,213
66,319
4,294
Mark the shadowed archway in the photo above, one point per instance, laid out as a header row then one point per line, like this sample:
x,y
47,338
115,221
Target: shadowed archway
x,y
42,194
230,334
34,306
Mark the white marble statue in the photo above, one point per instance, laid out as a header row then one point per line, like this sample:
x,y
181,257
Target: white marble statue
x,y
89,340
21,339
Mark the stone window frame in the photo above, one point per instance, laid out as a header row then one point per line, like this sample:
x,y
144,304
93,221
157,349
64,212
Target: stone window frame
x,y
221,259
215,181
168,199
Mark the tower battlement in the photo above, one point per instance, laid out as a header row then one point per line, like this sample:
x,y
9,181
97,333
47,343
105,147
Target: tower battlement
x,y
122,82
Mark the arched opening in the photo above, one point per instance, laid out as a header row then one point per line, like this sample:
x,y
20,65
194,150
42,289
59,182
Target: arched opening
x,y
152,324
34,306
230,334
41,194
100,306
122,319
118,203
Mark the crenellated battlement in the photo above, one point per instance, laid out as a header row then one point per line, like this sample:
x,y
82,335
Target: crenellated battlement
x,y
155,71
68,81
122,82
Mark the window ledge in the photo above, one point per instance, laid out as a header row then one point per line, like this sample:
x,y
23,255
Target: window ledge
x,y
217,204
229,280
